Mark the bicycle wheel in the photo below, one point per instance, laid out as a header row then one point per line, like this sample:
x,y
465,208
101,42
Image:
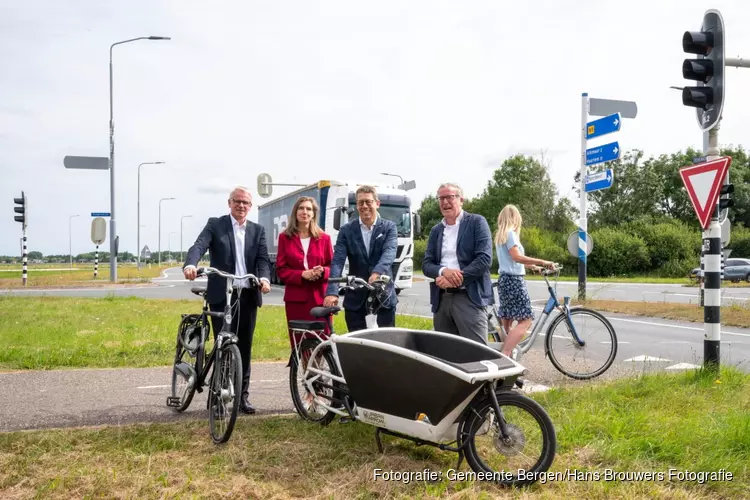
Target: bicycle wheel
x,y
577,361
224,396
493,326
527,452
185,371
302,398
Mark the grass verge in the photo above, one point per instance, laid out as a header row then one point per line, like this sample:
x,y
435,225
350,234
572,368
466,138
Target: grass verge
x,y
731,315
40,333
77,277
668,426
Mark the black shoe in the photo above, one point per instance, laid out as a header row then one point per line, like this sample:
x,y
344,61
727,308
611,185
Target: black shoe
x,y
345,420
246,407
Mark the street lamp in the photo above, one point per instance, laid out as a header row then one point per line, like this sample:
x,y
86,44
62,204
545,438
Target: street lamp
x,y
393,175
181,219
138,245
163,199
112,230
70,238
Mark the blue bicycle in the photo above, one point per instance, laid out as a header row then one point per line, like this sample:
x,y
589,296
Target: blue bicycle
x,y
581,343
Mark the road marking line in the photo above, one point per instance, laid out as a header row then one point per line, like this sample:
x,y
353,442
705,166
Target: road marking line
x,y
674,326
644,358
682,366
169,386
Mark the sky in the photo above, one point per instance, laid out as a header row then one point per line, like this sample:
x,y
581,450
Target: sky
x,y
434,91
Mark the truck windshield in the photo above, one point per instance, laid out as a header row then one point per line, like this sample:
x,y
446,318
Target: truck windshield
x,y
396,213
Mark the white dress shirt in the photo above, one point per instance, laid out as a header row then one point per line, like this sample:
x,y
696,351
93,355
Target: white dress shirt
x,y
240,267
367,233
448,256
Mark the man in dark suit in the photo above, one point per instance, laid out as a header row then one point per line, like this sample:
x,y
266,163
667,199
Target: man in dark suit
x,y
370,244
226,238
458,257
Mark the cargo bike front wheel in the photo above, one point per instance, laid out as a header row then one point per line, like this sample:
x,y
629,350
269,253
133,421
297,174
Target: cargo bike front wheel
x,y
512,448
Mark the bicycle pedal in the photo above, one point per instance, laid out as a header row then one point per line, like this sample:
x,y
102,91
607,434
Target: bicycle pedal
x,y
520,382
173,401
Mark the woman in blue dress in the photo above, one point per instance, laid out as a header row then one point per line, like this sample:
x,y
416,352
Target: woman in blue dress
x,y
515,304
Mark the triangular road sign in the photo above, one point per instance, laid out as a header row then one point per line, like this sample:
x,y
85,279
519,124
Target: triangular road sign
x,y
703,183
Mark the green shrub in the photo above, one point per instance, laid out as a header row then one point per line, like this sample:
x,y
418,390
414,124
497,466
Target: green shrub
x,y
420,246
739,242
617,253
670,242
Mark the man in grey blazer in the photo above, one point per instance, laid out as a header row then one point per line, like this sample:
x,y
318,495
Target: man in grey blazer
x,y
370,243
237,246
458,257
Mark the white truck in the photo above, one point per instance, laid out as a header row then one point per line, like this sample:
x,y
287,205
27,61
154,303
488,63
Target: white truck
x,y
336,200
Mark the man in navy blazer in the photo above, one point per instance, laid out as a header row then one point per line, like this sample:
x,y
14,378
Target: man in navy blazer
x,y
237,246
458,258
370,244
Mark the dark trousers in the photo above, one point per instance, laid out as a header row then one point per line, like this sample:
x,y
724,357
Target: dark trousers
x,y
355,319
458,315
246,315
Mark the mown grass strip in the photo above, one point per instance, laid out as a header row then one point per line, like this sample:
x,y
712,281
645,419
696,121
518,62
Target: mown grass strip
x,y
39,333
646,437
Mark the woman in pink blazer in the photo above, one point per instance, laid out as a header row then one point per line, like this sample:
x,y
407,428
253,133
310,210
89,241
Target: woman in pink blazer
x,y
303,262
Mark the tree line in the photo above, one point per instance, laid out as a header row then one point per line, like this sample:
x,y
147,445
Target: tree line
x,y
643,224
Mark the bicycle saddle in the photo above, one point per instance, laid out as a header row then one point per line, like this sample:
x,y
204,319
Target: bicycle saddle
x,y
323,312
198,290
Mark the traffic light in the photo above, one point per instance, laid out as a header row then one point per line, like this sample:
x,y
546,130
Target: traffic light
x,y
726,201
21,209
708,70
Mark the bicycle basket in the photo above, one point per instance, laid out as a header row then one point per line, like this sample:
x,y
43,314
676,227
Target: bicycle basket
x,y
189,333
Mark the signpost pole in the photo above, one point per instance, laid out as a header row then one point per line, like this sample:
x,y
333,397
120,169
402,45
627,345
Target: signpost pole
x,y
96,262
582,225
712,273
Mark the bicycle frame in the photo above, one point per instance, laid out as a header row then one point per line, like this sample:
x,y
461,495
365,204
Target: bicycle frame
x,y
225,335
552,304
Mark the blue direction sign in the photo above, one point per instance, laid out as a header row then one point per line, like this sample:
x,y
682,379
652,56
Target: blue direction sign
x,y
601,154
101,214
603,126
599,180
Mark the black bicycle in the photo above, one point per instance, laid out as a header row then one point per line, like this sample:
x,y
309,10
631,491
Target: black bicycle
x,y
192,366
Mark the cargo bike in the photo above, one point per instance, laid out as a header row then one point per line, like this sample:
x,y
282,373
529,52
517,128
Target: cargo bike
x,y
428,387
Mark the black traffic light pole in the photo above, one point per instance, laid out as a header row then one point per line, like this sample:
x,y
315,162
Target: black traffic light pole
x,y
712,273
23,219
708,69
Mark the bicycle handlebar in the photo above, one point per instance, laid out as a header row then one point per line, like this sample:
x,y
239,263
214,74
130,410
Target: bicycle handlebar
x,y
556,269
212,270
355,282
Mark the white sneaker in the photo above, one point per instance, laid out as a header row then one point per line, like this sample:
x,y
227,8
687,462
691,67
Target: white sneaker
x,y
514,354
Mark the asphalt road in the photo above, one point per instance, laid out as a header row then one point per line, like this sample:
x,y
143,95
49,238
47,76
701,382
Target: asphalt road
x,y
64,398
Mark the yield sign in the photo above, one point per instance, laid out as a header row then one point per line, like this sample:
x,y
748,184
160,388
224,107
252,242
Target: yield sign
x,y
703,183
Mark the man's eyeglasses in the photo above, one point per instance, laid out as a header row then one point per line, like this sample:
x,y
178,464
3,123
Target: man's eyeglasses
x,y
449,197
242,202
362,203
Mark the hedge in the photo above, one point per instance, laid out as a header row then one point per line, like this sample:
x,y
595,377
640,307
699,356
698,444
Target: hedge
x,y
667,249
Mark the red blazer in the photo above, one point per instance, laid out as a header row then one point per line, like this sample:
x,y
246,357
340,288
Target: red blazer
x,y
290,264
